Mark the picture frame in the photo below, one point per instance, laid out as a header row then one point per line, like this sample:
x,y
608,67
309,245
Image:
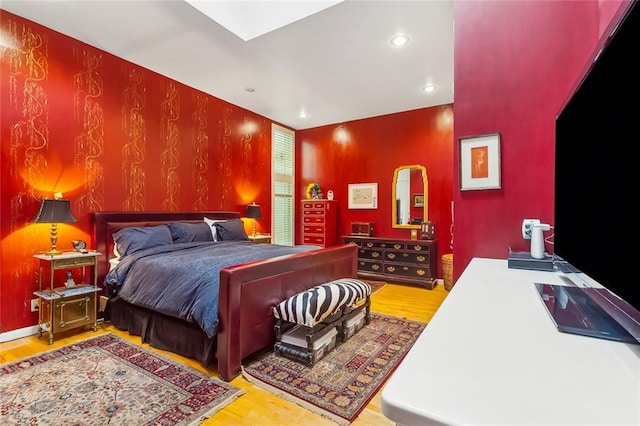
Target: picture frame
x,y
418,200
363,195
480,166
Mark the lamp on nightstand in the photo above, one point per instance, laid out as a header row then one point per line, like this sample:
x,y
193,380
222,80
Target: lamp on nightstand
x,y
54,212
253,212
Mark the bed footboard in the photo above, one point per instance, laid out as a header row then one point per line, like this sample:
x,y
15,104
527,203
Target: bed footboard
x,y
248,293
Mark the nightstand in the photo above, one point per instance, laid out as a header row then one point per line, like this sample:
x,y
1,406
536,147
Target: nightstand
x,y
67,307
260,238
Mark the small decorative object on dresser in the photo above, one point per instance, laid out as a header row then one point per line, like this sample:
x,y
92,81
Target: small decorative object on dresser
x,y
397,260
362,228
319,223
428,230
314,192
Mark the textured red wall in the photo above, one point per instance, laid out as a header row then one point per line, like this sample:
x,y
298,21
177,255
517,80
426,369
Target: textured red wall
x,y
369,151
109,135
516,63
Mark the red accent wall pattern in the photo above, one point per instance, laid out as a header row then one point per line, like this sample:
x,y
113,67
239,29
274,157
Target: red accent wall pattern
x,y
516,64
369,151
109,135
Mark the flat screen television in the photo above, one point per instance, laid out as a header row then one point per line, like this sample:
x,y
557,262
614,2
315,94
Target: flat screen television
x,y
597,167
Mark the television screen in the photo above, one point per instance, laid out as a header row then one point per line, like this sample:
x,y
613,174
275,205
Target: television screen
x,y
597,170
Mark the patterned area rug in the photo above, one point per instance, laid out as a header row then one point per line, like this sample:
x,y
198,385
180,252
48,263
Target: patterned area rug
x,y
375,285
343,382
107,380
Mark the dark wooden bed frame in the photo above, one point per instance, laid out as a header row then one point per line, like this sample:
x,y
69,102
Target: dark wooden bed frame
x,y
248,292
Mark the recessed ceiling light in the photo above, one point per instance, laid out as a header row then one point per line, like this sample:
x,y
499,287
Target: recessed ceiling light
x,y
400,40
429,88
302,114
250,89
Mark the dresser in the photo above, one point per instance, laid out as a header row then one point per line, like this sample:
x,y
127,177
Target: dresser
x,y
397,260
319,223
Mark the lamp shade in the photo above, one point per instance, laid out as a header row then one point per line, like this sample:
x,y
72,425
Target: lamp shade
x,y
253,211
54,211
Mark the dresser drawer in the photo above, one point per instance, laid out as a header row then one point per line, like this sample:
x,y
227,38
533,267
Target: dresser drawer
x,y
370,266
407,257
313,219
375,244
313,229
310,205
408,271
314,240
370,254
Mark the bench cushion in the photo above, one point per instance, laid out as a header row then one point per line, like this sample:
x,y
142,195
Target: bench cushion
x,y
314,305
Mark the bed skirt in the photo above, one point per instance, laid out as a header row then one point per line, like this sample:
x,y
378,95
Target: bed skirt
x,y
162,331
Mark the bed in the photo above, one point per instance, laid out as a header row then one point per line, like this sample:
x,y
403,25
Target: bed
x,y
247,292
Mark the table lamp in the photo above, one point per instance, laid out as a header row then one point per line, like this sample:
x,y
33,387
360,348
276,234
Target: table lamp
x,y
54,211
253,212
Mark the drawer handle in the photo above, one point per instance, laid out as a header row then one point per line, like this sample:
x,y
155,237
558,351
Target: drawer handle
x,y
417,248
420,272
391,255
397,246
369,244
391,269
405,268
421,258
375,254
375,267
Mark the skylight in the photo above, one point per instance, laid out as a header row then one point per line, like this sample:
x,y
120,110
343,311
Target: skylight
x,y
251,19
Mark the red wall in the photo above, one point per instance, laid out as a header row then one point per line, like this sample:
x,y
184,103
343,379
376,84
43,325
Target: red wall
x,y
516,64
109,135
369,151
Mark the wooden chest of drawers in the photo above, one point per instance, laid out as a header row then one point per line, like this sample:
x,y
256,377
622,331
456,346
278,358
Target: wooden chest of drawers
x,y
397,260
319,223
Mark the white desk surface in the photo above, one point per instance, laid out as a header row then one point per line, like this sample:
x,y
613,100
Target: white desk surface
x,y
491,355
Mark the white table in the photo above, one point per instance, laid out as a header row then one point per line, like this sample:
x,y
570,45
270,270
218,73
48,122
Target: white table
x,y
492,355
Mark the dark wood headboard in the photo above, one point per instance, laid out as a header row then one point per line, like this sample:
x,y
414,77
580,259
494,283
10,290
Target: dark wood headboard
x,y
105,224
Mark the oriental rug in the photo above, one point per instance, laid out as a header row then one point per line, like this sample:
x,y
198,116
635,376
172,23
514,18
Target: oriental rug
x,y
375,285
106,380
341,384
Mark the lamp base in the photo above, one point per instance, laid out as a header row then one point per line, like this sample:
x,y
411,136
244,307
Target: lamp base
x,y
52,252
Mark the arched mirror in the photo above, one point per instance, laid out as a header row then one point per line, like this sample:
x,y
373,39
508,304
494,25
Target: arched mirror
x,y
410,190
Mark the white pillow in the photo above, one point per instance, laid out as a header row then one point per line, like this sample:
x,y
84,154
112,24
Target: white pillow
x,y
214,231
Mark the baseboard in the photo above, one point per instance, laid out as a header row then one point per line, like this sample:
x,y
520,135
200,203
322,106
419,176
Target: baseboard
x,y
18,334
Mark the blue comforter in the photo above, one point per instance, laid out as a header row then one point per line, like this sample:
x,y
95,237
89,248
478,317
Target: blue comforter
x,y
182,280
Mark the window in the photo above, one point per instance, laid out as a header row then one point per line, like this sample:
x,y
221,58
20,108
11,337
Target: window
x,y
282,148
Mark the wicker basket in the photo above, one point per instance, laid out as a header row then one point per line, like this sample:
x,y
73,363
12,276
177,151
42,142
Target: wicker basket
x,y
447,270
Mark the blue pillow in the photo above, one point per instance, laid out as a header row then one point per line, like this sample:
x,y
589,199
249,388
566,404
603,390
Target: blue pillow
x,y
231,230
182,232
131,240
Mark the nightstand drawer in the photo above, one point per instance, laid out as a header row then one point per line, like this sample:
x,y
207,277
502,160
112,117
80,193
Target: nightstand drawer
x,y
75,262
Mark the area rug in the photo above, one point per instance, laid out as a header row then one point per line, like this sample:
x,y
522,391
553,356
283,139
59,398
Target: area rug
x,y
375,285
107,381
341,384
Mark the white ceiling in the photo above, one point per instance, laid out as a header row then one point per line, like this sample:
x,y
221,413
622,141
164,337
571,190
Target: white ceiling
x,y
336,65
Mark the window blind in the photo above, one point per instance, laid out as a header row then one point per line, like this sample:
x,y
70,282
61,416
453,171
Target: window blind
x,y
282,148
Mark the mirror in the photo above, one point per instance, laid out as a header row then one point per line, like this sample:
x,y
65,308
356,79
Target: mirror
x,y
409,203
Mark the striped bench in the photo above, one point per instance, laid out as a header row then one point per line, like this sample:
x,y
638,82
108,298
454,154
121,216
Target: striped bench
x,y
318,309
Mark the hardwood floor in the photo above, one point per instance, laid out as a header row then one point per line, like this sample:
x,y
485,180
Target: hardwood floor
x,y
259,407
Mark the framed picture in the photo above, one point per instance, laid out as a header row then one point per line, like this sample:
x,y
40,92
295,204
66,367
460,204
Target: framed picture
x,y
480,162
363,195
418,200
